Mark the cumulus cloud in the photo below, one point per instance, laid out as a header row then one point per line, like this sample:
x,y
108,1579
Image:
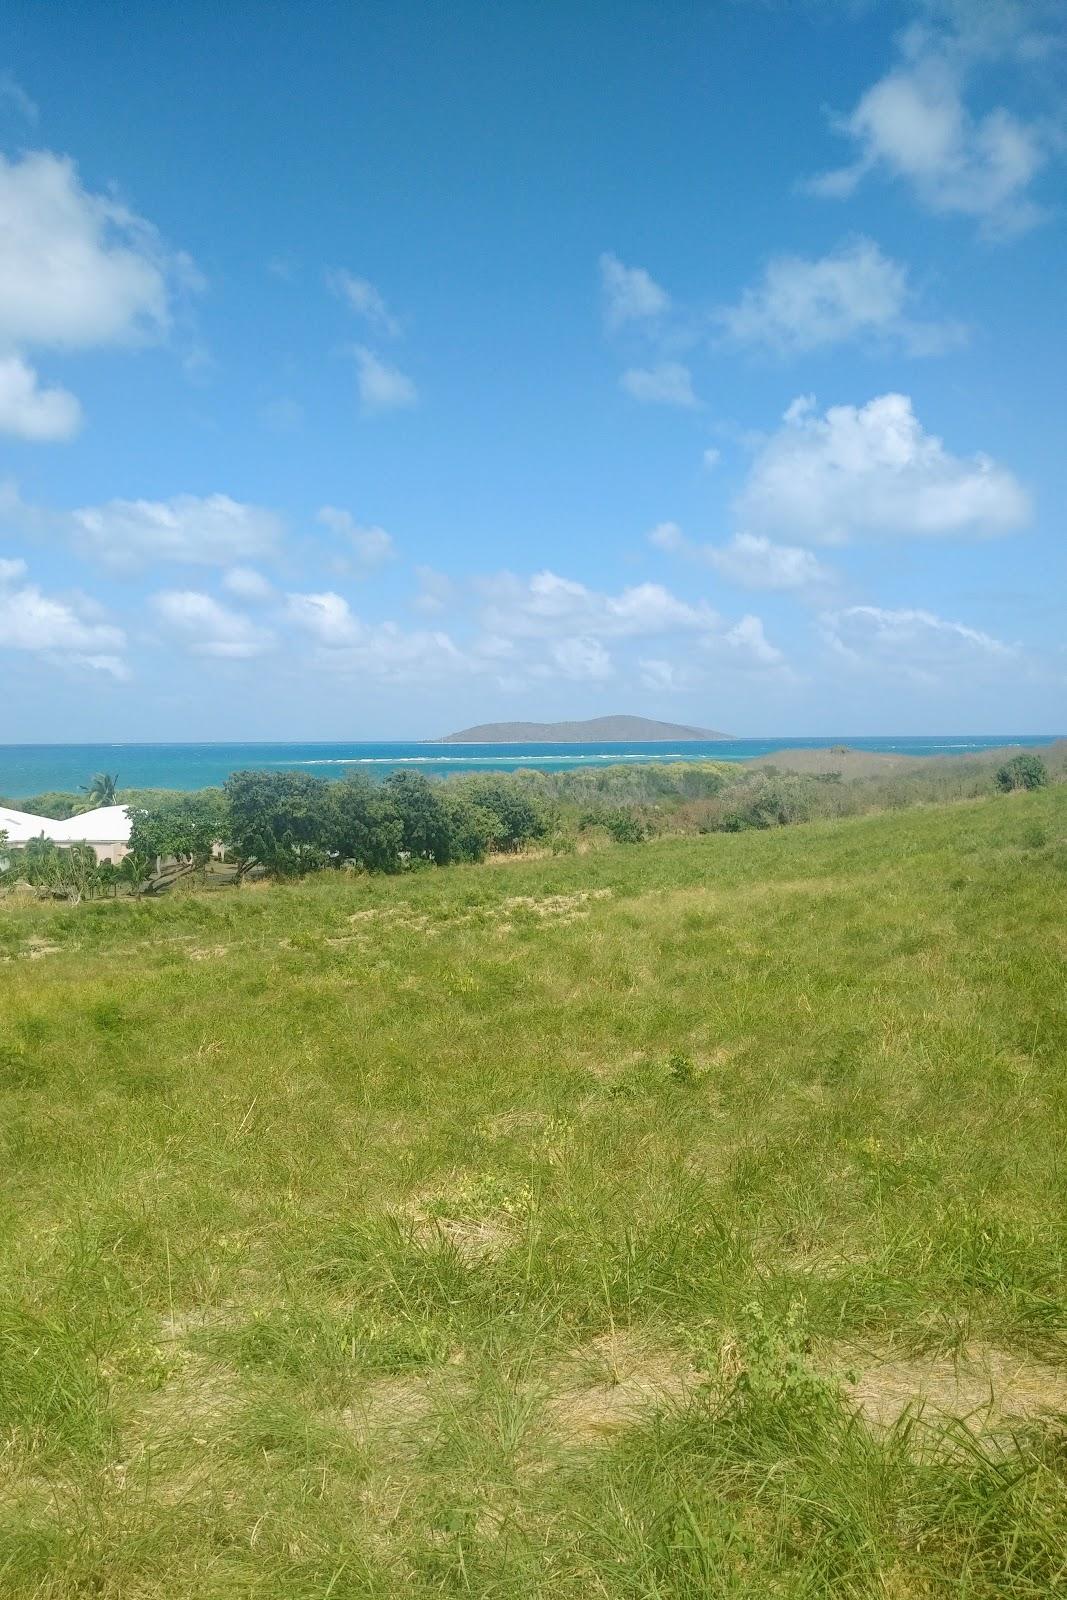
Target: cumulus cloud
x,y
361,296
750,559
668,536
748,640
371,547
855,292
209,628
384,651
381,387
547,605
328,617
212,530
582,660
77,269
247,584
13,94
59,630
914,125
873,470
575,625
435,590
915,645
668,384
30,412
755,562
630,294
665,676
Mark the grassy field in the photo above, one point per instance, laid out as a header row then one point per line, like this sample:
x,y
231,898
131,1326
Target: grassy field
x,y
671,1221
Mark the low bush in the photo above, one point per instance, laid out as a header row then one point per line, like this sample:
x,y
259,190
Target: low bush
x,y
1021,772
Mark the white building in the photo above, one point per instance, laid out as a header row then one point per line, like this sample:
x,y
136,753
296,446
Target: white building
x,y
107,829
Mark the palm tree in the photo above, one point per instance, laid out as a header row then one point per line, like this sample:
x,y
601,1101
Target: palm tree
x,y
101,790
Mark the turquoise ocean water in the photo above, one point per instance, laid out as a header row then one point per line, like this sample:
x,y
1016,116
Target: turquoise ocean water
x,y
27,769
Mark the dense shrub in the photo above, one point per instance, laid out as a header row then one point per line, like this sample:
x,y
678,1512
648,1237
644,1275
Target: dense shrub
x,y
625,827
185,826
517,812
1021,772
277,820
68,872
770,800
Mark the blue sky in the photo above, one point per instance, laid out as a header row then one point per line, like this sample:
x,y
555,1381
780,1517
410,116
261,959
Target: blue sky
x,y
368,371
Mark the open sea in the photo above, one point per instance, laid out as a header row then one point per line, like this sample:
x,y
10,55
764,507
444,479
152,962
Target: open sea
x,y
27,769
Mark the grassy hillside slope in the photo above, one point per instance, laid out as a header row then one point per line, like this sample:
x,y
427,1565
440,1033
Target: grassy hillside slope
x,y
674,1221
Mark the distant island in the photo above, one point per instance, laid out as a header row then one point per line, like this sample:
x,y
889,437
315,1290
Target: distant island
x,y
596,730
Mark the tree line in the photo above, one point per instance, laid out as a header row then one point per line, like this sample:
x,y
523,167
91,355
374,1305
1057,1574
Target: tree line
x,y
287,824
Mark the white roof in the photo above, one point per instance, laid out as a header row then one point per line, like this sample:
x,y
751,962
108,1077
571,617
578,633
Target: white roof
x,y
22,825
105,825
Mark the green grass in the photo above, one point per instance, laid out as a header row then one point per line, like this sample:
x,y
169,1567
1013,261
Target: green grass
x,y
521,1230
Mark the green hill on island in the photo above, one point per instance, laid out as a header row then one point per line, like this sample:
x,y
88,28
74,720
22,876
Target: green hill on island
x,y
595,730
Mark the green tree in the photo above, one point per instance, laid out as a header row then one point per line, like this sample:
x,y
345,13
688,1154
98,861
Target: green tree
x,y
183,826
278,820
425,831
101,790
518,812
364,826
1021,772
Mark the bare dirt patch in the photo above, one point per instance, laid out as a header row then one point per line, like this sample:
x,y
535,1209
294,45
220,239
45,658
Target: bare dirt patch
x,y
984,1386
37,949
209,952
389,1406
613,1382
394,916
476,1214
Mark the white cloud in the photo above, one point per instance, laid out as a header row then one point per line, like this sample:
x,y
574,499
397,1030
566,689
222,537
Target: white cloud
x,y
209,628
630,294
435,590
853,292
547,605
755,562
914,125
668,384
247,584
583,660
711,458
56,629
12,92
873,470
665,676
30,412
915,645
372,547
382,387
327,617
750,559
364,299
76,269
667,536
749,641
383,651
209,531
